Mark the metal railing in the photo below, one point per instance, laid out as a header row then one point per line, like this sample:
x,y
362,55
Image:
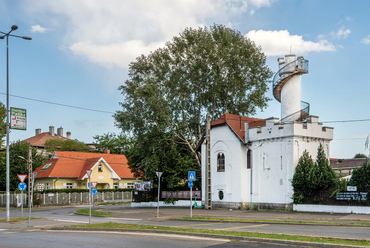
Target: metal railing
x,y
303,113
300,65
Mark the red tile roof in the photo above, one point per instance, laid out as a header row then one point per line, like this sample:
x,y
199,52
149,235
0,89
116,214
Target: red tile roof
x,y
40,139
67,164
347,163
236,123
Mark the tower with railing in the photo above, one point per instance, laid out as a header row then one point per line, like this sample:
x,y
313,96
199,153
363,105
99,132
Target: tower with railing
x,y
287,88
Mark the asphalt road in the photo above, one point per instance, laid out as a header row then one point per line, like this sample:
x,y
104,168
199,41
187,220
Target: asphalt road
x,y
68,239
132,216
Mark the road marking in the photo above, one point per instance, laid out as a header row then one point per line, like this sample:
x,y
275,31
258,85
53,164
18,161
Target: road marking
x,y
205,224
112,218
74,221
241,227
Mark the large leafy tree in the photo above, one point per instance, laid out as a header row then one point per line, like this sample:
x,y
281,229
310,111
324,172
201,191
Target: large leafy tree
x,y
202,71
17,164
116,144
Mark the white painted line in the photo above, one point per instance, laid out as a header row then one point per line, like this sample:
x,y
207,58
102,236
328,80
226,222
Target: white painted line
x,y
112,218
73,221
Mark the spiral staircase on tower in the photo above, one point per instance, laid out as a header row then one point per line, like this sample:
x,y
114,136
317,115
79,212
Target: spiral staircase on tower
x,y
281,78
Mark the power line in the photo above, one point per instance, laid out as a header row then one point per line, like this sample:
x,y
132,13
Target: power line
x,y
59,104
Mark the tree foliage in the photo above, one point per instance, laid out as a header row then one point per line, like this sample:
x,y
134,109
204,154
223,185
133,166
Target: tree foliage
x,y
65,145
361,176
18,165
360,155
116,144
301,182
322,176
202,71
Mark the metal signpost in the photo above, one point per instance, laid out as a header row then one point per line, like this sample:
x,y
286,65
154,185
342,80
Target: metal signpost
x,y
31,189
159,174
191,179
88,172
22,186
94,191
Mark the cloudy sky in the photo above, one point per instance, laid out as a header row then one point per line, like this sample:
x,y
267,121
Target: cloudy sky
x,y
81,49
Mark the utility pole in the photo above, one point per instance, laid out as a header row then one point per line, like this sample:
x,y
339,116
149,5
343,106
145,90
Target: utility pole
x,y
208,164
29,167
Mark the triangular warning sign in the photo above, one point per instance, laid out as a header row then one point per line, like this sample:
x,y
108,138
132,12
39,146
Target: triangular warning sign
x,y
94,184
191,177
22,177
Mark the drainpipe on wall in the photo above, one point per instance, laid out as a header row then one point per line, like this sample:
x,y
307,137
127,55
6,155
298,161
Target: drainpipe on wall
x,y
55,182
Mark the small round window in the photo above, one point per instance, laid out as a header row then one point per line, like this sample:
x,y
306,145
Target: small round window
x,y
220,195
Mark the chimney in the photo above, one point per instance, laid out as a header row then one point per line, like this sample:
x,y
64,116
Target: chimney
x,y
38,131
51,130
68,135
107,151
60,131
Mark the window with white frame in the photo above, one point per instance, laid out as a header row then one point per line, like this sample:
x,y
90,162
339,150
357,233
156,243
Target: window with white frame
x,y
220,162
69,185
130,185
115,185
100,168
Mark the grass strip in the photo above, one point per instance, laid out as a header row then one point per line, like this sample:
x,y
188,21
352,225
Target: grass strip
x,y
274,221
87,211
18,219
111,225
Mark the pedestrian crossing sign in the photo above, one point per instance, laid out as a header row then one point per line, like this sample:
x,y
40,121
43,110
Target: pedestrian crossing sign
x,y
191,175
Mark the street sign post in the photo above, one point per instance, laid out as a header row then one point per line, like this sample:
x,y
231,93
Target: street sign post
x,y
22,186
159,174
88,172
94,191
190,184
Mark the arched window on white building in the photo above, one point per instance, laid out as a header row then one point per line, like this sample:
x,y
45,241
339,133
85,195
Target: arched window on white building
x,y
220,162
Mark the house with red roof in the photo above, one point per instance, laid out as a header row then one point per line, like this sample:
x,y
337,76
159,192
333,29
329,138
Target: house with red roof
x,y
68,169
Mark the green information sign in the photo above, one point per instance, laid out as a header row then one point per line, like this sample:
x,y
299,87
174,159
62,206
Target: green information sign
x,y
18,119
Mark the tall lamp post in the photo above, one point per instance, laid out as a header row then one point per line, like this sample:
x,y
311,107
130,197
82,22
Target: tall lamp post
x,y
13,28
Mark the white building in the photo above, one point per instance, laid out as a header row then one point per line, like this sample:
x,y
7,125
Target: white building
x,y
252,161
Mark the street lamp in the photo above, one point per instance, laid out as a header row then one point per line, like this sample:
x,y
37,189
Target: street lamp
x,y
13,28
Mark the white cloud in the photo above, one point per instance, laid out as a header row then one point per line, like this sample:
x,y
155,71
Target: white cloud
x,y
113,32
342,33
275,43
38,29
366,40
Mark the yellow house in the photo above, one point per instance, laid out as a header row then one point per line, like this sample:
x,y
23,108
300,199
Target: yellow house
x,y
68,169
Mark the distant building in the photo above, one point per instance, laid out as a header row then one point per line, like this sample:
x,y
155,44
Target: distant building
x,y
68,170
40,138
345,167
251,160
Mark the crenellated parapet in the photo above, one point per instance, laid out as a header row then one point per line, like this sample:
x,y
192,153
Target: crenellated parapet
x,y
310,130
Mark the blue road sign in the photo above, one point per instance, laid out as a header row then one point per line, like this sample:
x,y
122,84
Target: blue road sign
x,y
22,186
190,184
94,191
191,175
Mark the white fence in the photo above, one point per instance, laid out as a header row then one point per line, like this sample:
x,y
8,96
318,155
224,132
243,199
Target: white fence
x,y
49,199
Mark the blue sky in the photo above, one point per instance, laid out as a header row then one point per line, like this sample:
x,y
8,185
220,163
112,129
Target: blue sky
x,y
80,51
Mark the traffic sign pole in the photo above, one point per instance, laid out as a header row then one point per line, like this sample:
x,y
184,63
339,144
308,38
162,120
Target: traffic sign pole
x,y
88,172
31,189
191,209
159,174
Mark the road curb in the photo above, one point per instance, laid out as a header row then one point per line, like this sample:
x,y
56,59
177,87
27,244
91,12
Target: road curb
x,y
234,238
